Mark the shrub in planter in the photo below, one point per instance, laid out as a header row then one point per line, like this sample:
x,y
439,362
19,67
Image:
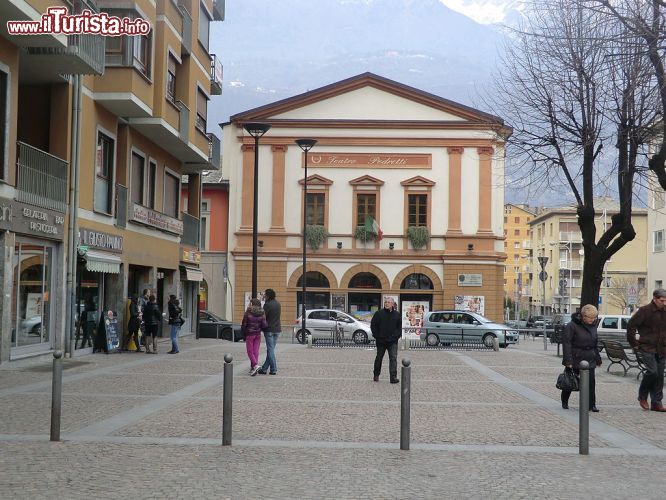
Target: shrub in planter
x,y
418,236
362,234
315,235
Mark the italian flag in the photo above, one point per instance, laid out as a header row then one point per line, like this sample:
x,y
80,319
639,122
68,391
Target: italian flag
x,y
372,226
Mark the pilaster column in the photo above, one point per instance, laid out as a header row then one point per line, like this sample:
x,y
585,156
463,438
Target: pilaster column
x,y
277,198
485,190
247,187
455,166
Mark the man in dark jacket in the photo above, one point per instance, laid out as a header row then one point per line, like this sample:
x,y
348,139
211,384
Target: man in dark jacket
x,y
646,332
579,343
386,327
152,316
273,310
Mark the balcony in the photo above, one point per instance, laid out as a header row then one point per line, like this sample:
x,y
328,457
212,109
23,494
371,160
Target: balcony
x,y
186,34
83,55
42,178
214,151
218,10
570,236
215,75
190,230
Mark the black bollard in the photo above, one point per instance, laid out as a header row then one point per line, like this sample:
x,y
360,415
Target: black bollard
x,y
56,396
584,410
405,384
227,395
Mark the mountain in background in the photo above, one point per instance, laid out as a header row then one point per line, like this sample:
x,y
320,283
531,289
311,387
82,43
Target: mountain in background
x,y
272,50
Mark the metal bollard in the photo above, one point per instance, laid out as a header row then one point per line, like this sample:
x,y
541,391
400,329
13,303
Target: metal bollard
x,y
584,410
309,338
405,388
56,395
227,395
495,344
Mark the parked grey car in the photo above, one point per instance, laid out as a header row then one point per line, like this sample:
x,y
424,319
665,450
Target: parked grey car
x,y
321,323
453,326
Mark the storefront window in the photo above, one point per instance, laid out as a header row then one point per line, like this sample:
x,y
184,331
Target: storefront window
x,y
416,281
31,306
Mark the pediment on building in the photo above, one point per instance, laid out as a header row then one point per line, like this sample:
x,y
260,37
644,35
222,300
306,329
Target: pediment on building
x,y
366,180
418,181
368,100
317,180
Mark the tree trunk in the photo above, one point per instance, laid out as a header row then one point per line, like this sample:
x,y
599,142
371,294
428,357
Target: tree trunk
x,y
593,274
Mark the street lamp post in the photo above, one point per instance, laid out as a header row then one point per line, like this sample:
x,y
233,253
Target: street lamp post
x,y
306,145
256,130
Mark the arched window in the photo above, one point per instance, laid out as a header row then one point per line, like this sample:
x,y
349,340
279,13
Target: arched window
x,y
314,279
416,281
365,280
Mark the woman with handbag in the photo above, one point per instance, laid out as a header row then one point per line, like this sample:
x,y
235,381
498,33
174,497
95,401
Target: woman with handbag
x,y
579,343
254,322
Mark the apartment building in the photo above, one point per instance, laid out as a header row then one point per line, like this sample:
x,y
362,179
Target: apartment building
x,y
123,118
424,171
554,234
213,242
517,247
656,231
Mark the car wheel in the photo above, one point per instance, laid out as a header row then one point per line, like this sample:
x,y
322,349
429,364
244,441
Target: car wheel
x,y
302,338
227,334
360,337
37,329
432,339
488,339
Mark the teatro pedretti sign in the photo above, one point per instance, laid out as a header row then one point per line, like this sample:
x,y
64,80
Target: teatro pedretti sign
x,y
27,219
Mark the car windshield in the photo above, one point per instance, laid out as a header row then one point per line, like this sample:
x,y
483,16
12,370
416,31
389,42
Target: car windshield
x,y
214,316
481,319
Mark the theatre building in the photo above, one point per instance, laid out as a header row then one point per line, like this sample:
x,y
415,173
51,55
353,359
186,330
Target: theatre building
x,y
404,198
122,118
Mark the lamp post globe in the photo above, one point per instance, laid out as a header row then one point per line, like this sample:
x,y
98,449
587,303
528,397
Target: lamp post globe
x,y
256,130
306,145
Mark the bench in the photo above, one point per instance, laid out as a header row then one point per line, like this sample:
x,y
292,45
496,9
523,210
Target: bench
x,y
618,354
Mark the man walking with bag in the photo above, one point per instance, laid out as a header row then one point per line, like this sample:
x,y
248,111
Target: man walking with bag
x,y
386,326
646,332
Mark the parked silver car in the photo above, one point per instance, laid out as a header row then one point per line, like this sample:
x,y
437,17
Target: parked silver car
x,y
321,323
454,326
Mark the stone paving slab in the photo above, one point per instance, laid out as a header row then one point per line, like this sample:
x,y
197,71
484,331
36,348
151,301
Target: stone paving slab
x,y
178,366
607,393
31,414
119,471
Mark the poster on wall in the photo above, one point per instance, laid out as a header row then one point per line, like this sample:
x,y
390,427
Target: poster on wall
x,y
413,312
473,303
339,301
248,296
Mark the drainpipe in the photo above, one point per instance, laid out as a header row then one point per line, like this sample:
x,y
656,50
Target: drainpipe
x,y
72,234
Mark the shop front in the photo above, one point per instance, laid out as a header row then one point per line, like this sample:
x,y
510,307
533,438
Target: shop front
x,y
33,257
191,278
99,257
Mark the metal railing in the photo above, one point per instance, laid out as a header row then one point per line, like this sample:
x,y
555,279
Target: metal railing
x,y
216,72
190,230
42,178
184,121
121,206
186,35
214,150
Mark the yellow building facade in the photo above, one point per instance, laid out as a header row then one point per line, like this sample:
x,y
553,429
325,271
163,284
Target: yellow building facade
x,y
517,248
123,119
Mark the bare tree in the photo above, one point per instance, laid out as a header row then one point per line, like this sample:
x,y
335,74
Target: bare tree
x,y
579,91
618,293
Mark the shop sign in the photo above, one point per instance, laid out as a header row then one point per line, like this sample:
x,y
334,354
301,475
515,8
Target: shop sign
x,y
100,240
470,280
34,221
369,160
152,218
192,256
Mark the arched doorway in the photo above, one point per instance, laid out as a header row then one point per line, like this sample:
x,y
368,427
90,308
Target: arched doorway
x,y
317,294
415,301
366,297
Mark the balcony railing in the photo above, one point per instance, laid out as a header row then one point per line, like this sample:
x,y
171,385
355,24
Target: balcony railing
x,y
214,150
190,230
215,75
84,54
572,236
218,10
184,122
186,35
42,178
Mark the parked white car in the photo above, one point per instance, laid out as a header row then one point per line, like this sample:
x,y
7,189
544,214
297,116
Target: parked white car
x,y
612,327
321,323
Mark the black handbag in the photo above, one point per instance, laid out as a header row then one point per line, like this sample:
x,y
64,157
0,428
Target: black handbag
x,y
567,381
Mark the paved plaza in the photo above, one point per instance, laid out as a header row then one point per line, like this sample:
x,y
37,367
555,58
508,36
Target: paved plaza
x,y
483,423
